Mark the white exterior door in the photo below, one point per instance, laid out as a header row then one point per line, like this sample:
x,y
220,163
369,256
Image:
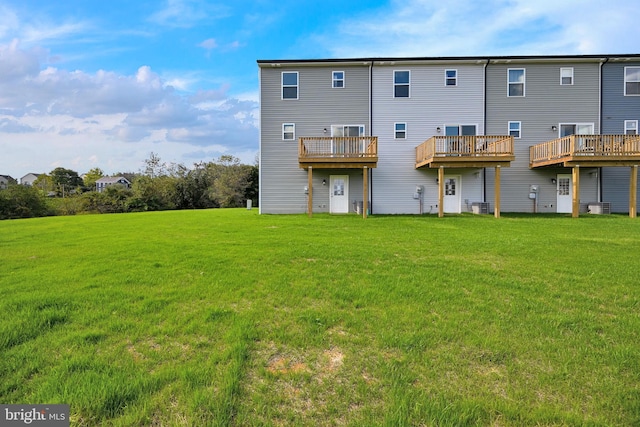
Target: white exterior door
x,y
339,196
564,201
452,191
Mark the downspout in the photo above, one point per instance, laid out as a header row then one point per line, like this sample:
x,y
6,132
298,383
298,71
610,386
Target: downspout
x,y
484,119
371,130
599,183
260,140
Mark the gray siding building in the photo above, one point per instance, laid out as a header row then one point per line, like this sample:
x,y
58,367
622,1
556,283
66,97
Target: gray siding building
x,y
308,99
543,107
441,135
620,115
443,98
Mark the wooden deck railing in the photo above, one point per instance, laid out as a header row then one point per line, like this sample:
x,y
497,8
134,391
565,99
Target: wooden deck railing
x,y
310,147
576,146
465,146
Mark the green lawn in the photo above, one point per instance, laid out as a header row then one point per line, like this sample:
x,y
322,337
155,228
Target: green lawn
x,y
225,317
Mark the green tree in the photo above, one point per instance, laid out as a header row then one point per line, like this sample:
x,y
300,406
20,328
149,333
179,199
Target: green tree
x,y
154,166
44,183
230,181
65,180
252,191
21,201
153,194
114,198
91,177
192,188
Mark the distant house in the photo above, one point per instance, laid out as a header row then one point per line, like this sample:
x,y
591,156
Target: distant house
x,y
106,181
5,180
29,178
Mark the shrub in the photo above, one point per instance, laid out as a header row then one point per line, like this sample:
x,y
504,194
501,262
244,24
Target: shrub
x,y
20,201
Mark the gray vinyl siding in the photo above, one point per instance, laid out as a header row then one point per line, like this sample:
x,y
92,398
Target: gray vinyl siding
x,y
431,105
318,107
616,108
546,103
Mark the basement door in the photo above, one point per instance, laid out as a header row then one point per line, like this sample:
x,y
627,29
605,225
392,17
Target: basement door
x,y
339,196
564,202
452,191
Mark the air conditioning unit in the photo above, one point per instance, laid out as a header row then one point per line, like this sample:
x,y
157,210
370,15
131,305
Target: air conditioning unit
x,y
600,208
480,207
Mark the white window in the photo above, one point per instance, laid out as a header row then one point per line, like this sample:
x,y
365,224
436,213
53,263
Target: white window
x,y
567,129
630,127
631,81
347,145
566,76
451,77
401,82
516,80
460,130
288,131
400,131
515,129
337,79
289,85
347,130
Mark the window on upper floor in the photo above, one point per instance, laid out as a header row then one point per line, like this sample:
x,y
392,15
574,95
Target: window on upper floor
x,y
347,130
288,131
400,131
630,127
451,77
460,130
567,129
337,79
401,82
515,129
631,81
289,85
566,76
516,80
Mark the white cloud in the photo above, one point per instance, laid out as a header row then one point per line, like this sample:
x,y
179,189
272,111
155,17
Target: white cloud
x,y
9,21
498,27
51,117
208,44
187,13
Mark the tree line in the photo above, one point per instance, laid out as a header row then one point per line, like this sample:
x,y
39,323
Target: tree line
x,y
221,183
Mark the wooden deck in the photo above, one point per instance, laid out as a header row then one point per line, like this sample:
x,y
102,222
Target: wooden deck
x,y
465,152
478,151
587,150
350,152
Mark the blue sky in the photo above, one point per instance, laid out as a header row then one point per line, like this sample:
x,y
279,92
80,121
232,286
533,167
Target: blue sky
x,y
87,84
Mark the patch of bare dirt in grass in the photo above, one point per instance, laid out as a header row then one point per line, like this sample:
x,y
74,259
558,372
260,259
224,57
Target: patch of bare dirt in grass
x,y
337,330
334,359
143,349
284,365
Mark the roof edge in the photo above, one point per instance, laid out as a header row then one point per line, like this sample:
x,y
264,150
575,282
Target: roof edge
x,y
483,58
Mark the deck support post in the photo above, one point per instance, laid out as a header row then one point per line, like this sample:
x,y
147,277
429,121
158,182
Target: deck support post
x,y
310,192
575,206
633,191
496,208
365,191
440,192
